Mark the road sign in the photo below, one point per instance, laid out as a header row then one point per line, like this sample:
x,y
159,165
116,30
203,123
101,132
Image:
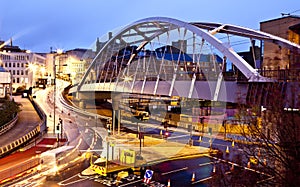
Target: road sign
x,y
148,176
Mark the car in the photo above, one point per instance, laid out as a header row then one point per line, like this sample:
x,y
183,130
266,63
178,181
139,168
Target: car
x,y
253,160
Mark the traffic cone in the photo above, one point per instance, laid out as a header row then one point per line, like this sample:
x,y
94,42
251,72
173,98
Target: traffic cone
x,y
265,161
249,165
258,153
232,144
227,150
169,183
193,177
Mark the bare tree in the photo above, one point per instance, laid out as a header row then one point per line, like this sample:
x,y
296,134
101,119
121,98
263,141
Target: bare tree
x,y
272,136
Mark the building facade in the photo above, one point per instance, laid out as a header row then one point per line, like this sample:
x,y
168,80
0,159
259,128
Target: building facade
x,y
25,67
276,57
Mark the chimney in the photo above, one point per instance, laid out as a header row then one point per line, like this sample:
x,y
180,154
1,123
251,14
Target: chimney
x,y
109,35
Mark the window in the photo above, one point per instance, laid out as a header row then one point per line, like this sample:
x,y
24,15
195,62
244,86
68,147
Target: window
x,y
14,72
18,64
18,72
18,80
14,64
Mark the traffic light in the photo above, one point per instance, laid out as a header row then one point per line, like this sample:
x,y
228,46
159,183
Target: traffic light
x,y
141,135
57,128
60,121
166,133
165,123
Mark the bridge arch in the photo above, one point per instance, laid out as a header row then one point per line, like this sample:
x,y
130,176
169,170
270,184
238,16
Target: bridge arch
x,y
160,52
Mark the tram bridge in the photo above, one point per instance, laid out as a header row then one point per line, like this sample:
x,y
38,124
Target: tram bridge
x,y
162,56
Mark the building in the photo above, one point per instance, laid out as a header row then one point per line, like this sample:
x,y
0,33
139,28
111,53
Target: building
x,y
69,65
25,67
287,27
5,82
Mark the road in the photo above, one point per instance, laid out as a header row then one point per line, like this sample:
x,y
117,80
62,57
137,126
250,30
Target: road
x,y
85,133
179,172
27,121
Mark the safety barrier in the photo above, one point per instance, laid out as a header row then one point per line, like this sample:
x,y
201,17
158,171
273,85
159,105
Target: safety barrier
x,y
24,140
9,148
8,125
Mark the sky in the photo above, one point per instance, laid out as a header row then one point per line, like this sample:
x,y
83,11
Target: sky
x,y
37,25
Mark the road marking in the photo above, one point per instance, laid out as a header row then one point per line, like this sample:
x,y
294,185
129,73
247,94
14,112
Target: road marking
x,y
73,182
235,164
130,183
173,171
179,136
208,163
202,180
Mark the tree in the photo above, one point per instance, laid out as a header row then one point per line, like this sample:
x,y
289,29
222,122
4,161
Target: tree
x,y
273,136
8,111
272,141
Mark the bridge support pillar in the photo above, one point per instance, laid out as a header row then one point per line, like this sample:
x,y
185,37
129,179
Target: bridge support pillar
x,y
116,114
82,104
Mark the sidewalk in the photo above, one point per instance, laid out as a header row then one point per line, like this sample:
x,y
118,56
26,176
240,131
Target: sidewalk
x,y
154,149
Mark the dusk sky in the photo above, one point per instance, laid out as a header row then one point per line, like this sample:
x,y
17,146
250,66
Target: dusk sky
x,y
38,25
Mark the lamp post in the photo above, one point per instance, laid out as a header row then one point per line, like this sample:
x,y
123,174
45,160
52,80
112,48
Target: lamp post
x,y
58,52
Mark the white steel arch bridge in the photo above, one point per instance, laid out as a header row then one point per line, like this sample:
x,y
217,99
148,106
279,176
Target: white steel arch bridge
x,y
165,56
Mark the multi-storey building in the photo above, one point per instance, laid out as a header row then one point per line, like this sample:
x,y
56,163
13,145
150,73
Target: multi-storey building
x,y
287,27
24,66
69,65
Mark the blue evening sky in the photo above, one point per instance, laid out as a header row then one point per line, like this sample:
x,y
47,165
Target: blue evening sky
x,y
38,25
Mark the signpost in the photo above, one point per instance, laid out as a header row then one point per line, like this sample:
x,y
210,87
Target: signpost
x,y
148,176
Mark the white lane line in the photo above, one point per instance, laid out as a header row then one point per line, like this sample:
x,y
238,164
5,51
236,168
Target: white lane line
x,y
202,180
205,164
173,171
73,182
130,183
235,164
69,178
179,136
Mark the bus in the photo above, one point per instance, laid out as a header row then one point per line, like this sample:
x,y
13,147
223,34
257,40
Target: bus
x,y
55,159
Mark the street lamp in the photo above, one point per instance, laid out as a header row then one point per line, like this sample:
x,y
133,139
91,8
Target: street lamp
x,y
58,52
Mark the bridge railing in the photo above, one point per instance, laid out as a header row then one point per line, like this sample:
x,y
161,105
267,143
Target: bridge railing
x,y
281,74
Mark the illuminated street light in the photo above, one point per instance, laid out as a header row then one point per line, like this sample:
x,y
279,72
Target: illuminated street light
x,y
58,52
43,70
32,67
